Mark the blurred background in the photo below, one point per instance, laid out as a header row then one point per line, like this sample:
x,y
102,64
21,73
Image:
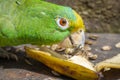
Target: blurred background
x,y
99,16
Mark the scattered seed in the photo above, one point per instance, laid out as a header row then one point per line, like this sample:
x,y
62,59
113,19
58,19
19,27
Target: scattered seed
x,y
106,69
93,37
69,50
54,47
92,56
67,56
117,45
89,42
37,48
106,48
87,47
48,46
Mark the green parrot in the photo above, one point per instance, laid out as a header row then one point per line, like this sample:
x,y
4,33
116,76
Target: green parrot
x,y
36,22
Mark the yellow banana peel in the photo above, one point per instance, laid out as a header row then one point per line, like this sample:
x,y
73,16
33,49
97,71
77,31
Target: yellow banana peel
x,y
68,67
113,62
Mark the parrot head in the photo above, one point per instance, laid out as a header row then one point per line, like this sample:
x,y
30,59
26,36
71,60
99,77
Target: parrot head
x,y
46,23
73,22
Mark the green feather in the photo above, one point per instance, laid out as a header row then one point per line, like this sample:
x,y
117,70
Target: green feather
x,y
32,21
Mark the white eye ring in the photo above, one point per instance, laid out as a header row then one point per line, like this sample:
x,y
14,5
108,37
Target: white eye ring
x,y
62,23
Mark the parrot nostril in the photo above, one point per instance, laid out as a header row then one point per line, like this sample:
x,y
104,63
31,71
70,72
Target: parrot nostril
x,y
80,30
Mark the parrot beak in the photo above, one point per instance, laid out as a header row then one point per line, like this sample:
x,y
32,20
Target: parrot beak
x,y
78,24
82,42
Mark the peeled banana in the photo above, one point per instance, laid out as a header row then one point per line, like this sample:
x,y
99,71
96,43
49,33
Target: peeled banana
x,y
113,62
79,69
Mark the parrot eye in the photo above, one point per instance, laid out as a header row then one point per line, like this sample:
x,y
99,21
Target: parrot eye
x,y
62,23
